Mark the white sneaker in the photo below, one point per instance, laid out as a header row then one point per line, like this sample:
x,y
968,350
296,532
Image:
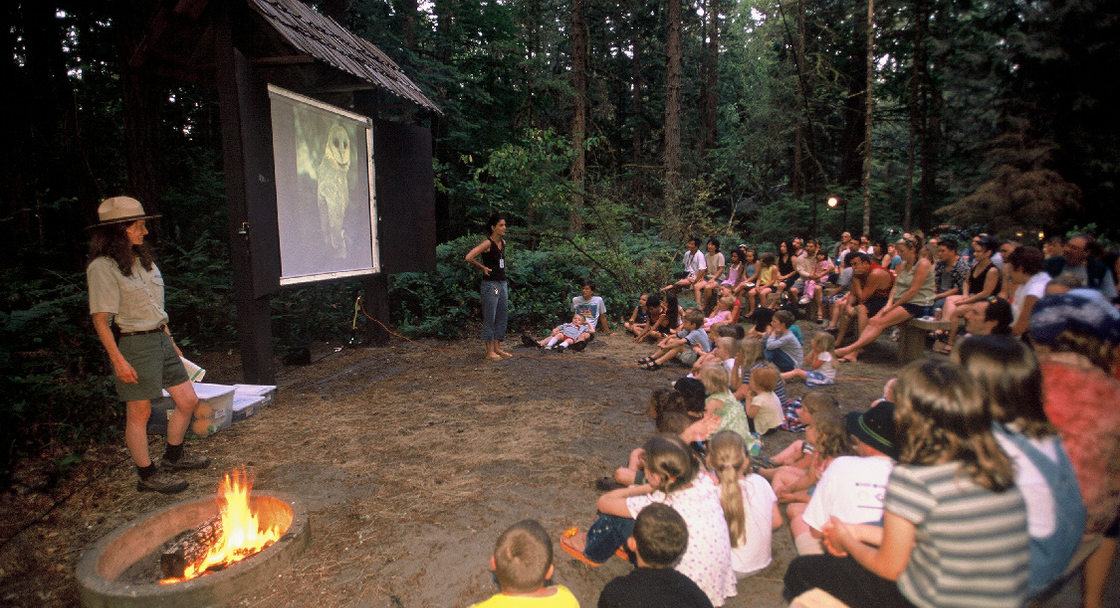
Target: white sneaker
x,y
803,300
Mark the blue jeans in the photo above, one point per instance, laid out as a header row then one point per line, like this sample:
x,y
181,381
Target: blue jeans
x,y
495,309
606,535
780,360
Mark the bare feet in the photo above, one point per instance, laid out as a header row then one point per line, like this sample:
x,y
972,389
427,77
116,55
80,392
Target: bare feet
x,y
493,356
504,353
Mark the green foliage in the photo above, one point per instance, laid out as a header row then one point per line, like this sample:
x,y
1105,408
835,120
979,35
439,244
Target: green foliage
x,y
51,370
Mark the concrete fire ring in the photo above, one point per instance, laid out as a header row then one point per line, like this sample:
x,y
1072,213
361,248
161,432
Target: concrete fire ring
x,y
104,562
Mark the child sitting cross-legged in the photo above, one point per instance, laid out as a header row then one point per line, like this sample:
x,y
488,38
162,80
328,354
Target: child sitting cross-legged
x,y
689,343
660,538
765,410
721,315
819,368
522,561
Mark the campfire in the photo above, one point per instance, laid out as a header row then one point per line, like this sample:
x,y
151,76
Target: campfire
x,y
235,533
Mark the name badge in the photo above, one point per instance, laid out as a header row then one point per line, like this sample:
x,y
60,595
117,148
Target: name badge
x,y
502,263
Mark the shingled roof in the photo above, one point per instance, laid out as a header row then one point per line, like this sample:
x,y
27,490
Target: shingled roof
x,y
297,45
324,39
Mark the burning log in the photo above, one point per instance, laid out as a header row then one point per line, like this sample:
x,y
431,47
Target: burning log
x,y
191,548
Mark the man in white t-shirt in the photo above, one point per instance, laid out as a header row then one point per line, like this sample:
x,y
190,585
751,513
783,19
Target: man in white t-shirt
x,y
592,307
852,487
695,266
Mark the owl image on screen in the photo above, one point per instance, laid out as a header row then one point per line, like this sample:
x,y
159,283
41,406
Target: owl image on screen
x,y
333,191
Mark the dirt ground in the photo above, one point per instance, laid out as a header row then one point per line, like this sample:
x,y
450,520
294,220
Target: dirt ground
x,y
412,458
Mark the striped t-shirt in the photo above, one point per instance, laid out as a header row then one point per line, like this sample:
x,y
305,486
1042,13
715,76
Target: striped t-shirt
x,y
971,544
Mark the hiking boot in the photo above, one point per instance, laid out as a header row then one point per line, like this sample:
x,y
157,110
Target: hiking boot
x,y
163,482
185,462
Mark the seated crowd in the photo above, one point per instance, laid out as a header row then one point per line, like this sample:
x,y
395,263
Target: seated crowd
x,y
981,479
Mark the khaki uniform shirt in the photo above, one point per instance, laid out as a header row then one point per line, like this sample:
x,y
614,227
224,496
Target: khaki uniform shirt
x,y
136,302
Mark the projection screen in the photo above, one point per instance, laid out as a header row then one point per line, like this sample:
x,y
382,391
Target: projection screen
x,y
326,208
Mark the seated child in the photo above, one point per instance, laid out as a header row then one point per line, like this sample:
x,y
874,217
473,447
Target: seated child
x,y
659,539
726,352
751,352
721,316
672,414
765,409
671,479
640,318
783,348
522,561
749,505
722,404
572,334
820,363
687,345
798,456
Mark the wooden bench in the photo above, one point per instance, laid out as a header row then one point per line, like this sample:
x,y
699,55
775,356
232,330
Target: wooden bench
x,y
912,337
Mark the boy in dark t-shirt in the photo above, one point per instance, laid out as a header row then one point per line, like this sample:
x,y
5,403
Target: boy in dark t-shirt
x,y
660,537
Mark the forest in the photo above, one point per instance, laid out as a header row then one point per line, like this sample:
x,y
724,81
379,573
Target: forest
x,y
608,131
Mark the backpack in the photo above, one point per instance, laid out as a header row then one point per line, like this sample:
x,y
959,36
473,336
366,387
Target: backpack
x,y
1050,556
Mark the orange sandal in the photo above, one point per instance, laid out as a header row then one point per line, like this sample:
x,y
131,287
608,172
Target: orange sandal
x,y
572,551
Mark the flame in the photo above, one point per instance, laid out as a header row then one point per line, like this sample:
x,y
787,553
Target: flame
x,y
242,535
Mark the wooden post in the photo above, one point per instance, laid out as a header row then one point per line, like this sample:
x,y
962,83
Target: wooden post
x,y
249,176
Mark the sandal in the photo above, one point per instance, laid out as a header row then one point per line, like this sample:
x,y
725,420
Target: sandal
x,y
645,360
572,551
651,366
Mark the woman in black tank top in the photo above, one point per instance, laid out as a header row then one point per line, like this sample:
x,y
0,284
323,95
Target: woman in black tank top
x,y
494,290
983,281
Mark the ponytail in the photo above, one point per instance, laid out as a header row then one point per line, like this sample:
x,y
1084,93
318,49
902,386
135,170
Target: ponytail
x,y
727,456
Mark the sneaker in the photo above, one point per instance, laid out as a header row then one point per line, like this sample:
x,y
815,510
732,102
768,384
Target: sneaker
x,y
163,482
804,300
186,462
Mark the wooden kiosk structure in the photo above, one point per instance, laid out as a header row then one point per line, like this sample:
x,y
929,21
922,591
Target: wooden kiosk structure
x,y
239,47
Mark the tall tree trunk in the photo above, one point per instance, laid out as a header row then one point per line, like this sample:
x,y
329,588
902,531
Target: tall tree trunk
x,y
673,106
870,101
637,84
917,105
142,100
710,92
579,112
797,174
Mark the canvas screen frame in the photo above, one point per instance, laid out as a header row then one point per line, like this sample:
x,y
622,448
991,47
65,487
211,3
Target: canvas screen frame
x,y
326,208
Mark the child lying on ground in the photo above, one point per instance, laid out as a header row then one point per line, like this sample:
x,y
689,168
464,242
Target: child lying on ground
x,y
572,334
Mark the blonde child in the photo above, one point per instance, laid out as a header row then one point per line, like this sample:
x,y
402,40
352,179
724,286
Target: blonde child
x,y
798,456
828,438
522,563
727,352
567,334
749,505
765,408
820,363
954,527
722,403
767,276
